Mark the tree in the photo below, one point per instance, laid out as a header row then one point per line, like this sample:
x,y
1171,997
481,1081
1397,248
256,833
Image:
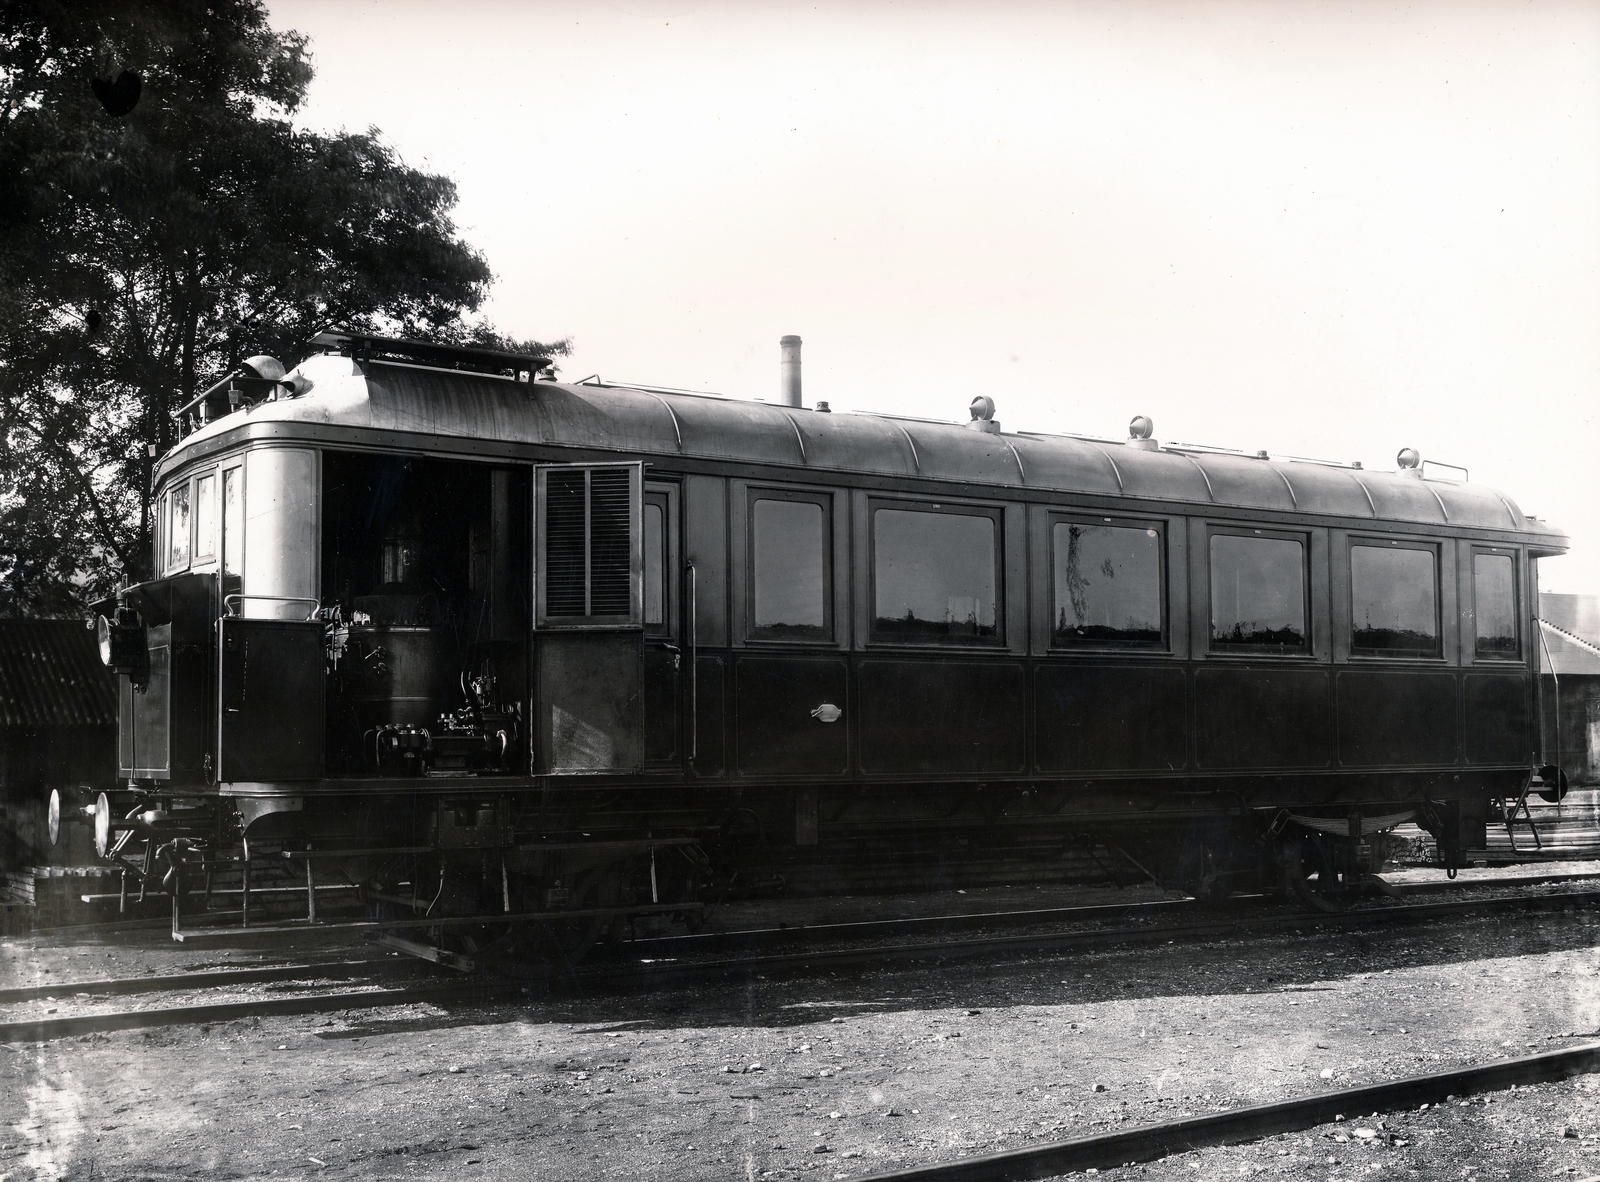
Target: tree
x,y
160,220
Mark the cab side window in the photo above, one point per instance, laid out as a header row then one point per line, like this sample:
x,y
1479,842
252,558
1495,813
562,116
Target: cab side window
x,y
791,596
1494,606
1258,593
1107,585
205,518
178,528
1394,600
936,575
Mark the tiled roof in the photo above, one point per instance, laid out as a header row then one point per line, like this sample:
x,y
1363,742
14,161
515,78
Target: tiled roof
x,y
51,675
1578,615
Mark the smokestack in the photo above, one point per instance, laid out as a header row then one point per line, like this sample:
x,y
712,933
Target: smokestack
x,y
789,372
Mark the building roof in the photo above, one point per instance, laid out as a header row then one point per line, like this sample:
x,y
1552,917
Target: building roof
x,y
51,675
418,407
1571,627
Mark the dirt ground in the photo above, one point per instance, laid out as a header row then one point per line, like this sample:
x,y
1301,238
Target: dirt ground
x,y
837,1076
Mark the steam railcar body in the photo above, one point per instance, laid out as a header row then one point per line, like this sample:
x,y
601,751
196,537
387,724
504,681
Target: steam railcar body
x,y
534,642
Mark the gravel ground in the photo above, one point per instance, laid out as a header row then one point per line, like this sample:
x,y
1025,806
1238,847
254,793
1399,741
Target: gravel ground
x,y
838,1076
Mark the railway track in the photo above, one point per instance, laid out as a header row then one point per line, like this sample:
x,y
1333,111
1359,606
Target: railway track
x,y
1153,1141
657,972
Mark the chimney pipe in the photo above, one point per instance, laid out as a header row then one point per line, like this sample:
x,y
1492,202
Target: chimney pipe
x,y
789,372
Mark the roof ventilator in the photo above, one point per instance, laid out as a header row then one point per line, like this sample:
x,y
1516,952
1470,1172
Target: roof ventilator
x,y
983,415
1140,431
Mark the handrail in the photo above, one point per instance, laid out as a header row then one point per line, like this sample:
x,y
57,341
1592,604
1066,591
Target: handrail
x,y
694,667
230,599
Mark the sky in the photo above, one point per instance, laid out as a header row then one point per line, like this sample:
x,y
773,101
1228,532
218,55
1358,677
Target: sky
x,y
1321,230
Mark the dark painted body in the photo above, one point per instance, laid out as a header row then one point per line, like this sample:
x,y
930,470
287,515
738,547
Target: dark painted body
x,y
697,720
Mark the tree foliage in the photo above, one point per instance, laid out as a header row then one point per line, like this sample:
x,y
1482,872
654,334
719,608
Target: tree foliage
x,y
146,247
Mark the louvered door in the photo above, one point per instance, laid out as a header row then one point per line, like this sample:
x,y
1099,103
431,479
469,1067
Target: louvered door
x,y
589,637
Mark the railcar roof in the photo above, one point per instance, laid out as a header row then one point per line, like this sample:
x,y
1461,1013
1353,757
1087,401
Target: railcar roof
x,y
451,406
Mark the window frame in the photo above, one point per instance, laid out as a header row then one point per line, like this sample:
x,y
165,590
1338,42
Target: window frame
x,y
1357,653
664,496
168,500
823,499
1053,643
634,617
1513,553
995,512
1256,652
234,467
210,556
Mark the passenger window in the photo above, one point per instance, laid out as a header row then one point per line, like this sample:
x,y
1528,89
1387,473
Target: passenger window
x,y
232,522
1394,600
936,575
655,564
1494,596
178,528
1107,585
789,580
205,518
1258,593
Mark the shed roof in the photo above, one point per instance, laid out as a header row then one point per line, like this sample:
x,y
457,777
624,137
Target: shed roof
x,y
464,407
51,675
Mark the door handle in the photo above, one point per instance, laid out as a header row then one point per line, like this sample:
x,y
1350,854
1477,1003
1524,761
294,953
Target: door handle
x,y
677,655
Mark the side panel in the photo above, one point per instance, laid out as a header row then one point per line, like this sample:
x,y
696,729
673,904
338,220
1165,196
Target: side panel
x,y
591,704
1261,717
281,553
778,732
152,711
942,717
1106,718
710,747
270,716
1496,708
1395,718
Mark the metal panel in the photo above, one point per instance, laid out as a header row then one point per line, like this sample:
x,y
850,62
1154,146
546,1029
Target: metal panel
x,y
710,757
270,713
1396,718
780,720
125,753
1101,717
662,673
152,710
1253,716
1496,710
705,518
281,551
591,702
942,717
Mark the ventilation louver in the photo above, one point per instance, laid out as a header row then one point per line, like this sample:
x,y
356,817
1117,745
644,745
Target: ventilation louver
x,y
588,543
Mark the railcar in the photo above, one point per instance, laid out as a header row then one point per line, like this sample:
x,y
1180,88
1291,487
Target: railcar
x,y
487,645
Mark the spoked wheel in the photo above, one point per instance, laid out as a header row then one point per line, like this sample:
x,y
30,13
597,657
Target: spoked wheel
x,y
1313,875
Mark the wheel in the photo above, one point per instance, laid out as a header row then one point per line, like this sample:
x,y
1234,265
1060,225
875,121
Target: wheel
x,y
1555,781
1312,876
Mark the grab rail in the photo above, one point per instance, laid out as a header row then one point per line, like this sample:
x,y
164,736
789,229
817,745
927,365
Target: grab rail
x,y
231,600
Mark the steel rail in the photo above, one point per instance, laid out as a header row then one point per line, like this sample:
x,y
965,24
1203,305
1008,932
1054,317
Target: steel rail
x,y
1151,1142
850,929
199,979
45,1029
948,950
655,973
